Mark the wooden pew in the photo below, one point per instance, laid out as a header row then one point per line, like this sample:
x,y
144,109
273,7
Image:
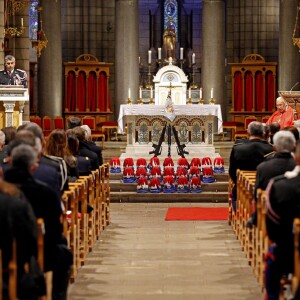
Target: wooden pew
x,y
261,238
97,202
12,273
296,275
107,194
82,185
231,213
71,205
1,283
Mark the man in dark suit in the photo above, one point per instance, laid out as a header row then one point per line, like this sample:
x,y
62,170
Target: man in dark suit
x,y
84,148
282,161
47,205
17,222
248,154
283,205
10,75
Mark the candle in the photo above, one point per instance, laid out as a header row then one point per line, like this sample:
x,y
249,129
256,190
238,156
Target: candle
x,y
212,93
200,93
193,58
190,93
159,53
140,93
128,93
22,22
139,60
149,57
151,93
181,53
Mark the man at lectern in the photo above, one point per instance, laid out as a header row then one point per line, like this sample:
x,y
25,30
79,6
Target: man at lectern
x,y
284,115
10,75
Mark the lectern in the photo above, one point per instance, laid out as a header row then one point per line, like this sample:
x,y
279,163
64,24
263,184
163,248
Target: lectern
x,y
13,97
291,97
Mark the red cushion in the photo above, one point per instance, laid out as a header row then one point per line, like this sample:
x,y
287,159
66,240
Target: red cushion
x,y
58,123
47,124
89,122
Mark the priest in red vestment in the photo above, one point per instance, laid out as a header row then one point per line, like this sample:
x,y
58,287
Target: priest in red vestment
x,y
284,115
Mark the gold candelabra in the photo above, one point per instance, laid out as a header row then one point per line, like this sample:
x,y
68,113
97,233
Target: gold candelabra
x,y
10,32
129,101
181,63
193,85
149,82
159,62
212,101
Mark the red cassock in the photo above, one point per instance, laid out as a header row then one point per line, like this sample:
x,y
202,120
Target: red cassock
x,y
284,119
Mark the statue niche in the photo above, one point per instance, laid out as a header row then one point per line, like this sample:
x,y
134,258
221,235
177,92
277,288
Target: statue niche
x,y
169,39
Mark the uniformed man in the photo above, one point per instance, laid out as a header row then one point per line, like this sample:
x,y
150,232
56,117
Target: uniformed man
x,y
10,75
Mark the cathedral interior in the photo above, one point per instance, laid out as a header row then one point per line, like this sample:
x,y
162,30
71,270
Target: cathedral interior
x,y
216,34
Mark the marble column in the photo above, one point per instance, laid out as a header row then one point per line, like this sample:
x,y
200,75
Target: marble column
x,y
289,56
1,36
22,53
213,51
50,69
126,53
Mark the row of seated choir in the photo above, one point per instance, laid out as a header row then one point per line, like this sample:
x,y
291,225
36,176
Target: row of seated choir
x,y
82,228
254,241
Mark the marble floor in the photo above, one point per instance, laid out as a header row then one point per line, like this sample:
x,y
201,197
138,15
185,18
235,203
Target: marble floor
x,y
141,256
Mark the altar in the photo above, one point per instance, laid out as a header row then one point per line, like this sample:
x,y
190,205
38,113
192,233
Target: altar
x,y
195,124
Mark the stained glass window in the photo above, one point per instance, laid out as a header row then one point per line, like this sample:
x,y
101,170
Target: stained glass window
x,y
33,20
171,15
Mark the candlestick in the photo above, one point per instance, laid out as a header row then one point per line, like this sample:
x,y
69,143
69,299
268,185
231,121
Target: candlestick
x,y
140,93
193,58
181,53
129,93
159,53
22,22
212,93
149,57
200,93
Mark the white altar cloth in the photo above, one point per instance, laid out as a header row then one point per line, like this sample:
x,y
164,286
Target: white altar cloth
x,y
159,110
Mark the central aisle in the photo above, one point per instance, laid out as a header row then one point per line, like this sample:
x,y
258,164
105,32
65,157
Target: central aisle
x,y
140,256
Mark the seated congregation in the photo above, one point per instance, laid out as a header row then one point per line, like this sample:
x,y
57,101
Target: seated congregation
x,y
54,202
264,191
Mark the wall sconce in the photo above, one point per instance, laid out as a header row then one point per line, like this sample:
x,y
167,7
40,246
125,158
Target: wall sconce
x,y
11,7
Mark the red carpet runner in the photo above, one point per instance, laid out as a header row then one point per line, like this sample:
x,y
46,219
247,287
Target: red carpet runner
x,y
197,214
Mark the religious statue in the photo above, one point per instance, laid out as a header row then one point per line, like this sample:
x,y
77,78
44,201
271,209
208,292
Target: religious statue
x,y
169,38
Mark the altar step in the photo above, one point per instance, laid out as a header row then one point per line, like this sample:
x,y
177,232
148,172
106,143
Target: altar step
x,y
211,192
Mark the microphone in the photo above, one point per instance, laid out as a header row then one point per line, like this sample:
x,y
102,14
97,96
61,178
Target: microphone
x,y
294,86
